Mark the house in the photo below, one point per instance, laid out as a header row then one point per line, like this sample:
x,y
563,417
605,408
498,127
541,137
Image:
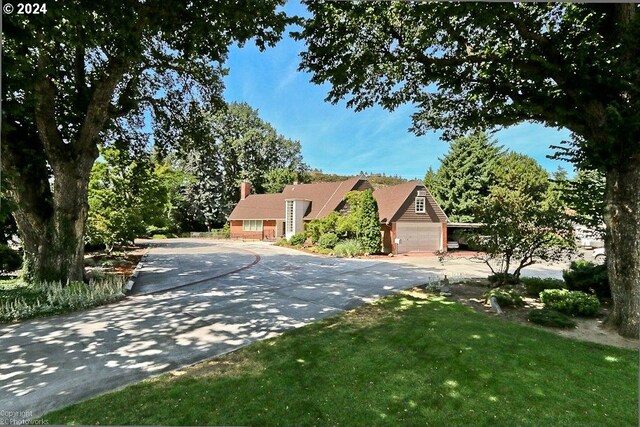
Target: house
x,y
274,216
410,218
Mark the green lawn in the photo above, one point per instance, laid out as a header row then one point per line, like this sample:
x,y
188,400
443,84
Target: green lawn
x,y
405,360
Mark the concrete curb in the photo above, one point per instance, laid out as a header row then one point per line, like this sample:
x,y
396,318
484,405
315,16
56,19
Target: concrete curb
x,y
136,272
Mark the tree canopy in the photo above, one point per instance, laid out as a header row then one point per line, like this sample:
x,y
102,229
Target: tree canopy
x,y
234,144
468,66
89,72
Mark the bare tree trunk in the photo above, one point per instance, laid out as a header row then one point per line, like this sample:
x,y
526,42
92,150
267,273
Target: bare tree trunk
x,y
622,244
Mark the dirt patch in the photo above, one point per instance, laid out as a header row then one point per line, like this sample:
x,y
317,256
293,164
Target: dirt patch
x,y
470,294
230,365
121,263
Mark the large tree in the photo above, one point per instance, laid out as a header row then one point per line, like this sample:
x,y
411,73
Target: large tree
x,y
231,145
465,176
86,72
477,65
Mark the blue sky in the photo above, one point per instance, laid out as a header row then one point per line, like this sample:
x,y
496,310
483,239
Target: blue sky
x,y
339,140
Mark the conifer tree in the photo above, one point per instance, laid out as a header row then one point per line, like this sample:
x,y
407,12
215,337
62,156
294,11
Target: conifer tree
x,y
465,175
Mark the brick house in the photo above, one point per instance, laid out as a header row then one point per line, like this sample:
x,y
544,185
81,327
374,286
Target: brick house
x,y
410,218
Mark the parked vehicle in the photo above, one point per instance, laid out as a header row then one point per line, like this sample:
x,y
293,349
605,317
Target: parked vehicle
x,y
599,256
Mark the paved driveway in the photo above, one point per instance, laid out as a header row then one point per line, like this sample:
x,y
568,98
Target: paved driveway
x,y
193,300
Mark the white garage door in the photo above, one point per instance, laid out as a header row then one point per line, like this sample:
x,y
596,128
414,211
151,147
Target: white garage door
x,y
419,236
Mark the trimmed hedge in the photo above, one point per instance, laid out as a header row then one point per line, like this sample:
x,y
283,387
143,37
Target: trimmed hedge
x,y
547,317
535,285
570,302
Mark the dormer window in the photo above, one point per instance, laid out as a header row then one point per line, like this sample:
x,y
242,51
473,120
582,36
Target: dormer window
x,y
421,206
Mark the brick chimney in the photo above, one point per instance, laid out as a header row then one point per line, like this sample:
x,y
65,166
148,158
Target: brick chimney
x,y
245,189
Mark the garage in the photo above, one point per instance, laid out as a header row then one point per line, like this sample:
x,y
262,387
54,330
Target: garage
x,y
419,236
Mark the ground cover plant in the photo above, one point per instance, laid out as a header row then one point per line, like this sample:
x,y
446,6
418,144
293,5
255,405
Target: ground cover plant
x,y
21,300
553,318
409,359
348,248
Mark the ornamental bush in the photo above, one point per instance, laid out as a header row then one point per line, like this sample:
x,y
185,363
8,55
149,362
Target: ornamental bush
x,y
535,285
570,302
588,277
298,239
328,241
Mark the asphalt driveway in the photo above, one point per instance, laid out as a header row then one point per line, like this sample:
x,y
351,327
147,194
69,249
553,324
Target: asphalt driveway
x,y
193,300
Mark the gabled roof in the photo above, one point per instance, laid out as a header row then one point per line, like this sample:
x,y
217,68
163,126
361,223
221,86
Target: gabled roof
x,y
391,199
259,206
325,197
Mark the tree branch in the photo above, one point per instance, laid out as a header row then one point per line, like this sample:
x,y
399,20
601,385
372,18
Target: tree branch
x,y
45,114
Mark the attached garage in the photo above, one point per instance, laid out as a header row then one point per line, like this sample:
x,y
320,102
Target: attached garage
x,y
411,219
418,237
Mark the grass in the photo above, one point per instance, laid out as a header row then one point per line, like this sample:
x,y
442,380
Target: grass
x,y
408,359
20,300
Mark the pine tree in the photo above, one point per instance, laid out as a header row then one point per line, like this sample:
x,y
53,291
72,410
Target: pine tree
x,y
465,175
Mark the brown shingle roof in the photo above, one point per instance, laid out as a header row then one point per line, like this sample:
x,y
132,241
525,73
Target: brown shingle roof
x,y
390,200
324,196
259,206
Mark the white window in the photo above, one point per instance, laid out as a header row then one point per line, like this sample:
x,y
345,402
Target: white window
x,y
421,205
289,216
252,225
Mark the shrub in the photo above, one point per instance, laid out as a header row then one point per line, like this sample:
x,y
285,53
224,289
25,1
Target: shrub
x,y
547,317
159,236
502,279
348,248
298,239
504,297
328,241
317,227
588,277
535,285
570,302
10,259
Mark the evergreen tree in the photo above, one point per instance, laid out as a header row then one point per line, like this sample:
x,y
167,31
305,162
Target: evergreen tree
x,y
362,221
430,178
369,223
465,176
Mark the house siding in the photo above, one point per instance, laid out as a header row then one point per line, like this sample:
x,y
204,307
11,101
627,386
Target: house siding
x,y
407,212
268,231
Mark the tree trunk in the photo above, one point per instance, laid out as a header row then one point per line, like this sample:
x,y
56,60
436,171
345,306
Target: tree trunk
x,y
622,244
53,237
